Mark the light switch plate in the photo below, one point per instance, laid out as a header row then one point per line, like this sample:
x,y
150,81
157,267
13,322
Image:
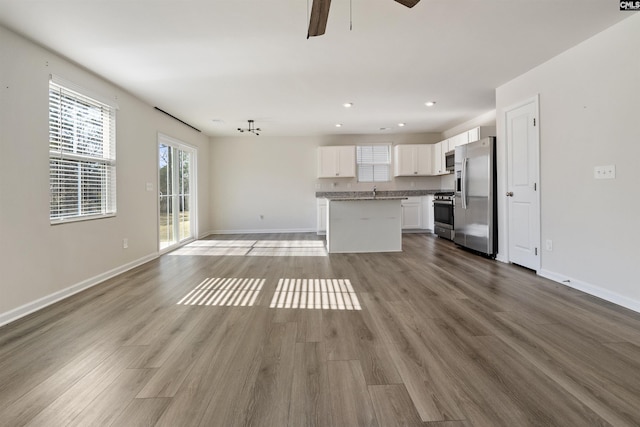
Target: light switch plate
x,y
604,172
149,186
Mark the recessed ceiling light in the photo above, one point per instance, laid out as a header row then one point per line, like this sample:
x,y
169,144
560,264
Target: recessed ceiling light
x,y
347,104
401,124
217,121
338,125
430,103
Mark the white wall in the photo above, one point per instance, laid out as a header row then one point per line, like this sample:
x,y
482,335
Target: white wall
x,y
589,111
40,262
276,177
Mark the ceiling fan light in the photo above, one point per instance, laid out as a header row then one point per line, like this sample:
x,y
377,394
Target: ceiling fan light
x,y
347,104
430,103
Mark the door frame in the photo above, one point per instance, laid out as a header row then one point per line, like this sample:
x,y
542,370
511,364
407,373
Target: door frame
x,y
536,102
193,186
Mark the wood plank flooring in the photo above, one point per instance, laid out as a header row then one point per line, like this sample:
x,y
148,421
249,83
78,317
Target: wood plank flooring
x,y
442,338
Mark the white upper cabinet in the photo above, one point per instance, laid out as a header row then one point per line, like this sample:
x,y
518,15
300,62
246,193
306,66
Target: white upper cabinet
x,y
480,132
458,140
439,151
412,160
473,135
337,161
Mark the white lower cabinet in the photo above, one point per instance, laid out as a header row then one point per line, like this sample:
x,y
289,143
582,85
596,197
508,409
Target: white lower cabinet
x,y
427,213
417,214
321,219
412,213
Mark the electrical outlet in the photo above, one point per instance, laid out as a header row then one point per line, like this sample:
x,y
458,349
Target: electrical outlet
x,y
604,172
413,184
149,186
125,243
549,245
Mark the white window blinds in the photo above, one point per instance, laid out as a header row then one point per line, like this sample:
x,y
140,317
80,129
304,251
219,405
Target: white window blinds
x,y
82,156
374,163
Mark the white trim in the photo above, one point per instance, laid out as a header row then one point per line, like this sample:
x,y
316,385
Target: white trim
x,y
264,231
177,245
535,100
61,81
591,289
17,313
169,140
165,139
500,257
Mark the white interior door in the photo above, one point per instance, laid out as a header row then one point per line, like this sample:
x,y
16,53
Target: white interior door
x,y
523,173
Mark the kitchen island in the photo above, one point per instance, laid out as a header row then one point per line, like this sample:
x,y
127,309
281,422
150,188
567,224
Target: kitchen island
x,y
364,224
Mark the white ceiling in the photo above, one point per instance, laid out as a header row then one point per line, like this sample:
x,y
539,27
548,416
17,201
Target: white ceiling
x,y
234,60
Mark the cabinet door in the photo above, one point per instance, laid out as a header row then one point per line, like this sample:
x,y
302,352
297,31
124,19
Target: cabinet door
x,y
424,154
321,216
438,156
446,146
458,140
427,213
411,214
346,161
327,162
404,160
337,161
473,135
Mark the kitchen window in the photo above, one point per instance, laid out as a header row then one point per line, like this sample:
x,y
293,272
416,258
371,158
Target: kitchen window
x,y
82,154
374,163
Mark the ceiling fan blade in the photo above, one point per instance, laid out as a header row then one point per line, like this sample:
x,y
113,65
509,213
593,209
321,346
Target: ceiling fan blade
x,y
319,16
408,3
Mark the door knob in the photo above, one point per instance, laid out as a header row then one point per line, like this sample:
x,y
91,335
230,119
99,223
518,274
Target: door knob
x,y
509,193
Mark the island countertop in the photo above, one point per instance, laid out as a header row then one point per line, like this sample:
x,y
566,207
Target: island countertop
x,y
380,194
363,198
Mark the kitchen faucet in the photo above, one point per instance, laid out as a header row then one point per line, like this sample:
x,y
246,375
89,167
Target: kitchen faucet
x,y
374,191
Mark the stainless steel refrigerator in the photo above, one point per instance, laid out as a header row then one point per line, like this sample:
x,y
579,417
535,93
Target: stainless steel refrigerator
x,y
475,209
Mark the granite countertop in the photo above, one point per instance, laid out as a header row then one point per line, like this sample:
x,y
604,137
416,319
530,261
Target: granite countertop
x,y
351,199
367,195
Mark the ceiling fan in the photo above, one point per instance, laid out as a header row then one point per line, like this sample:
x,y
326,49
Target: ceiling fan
x,y
320,14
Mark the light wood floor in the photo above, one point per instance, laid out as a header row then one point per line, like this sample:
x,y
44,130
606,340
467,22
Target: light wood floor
x,y
443,338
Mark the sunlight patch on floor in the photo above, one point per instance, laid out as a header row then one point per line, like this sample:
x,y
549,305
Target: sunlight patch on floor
x,y
237,292
325,294
306,248
189,250
287,252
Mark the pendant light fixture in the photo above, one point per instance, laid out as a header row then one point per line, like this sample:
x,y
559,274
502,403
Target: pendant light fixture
x,y
251,128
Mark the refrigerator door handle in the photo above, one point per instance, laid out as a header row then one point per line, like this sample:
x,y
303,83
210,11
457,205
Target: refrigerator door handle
x,y
464,183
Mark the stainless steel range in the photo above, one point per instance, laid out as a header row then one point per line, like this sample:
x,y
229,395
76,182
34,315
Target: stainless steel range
x,y
443,208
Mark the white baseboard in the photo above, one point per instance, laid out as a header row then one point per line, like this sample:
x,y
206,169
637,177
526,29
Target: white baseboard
x,y
500,257
265,231
43,302
594,290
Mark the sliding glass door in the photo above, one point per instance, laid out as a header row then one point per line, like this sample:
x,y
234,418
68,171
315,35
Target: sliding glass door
x,y
176,184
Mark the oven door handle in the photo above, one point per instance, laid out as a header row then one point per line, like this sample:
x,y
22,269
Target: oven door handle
x,y
464,183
